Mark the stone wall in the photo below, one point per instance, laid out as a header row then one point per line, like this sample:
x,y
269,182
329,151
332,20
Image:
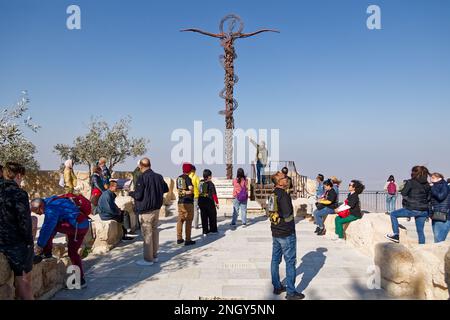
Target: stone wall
x,y
47,278
408,270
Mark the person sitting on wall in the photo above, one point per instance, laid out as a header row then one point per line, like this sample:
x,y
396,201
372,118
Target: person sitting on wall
x,y
108,209
64,216
352,210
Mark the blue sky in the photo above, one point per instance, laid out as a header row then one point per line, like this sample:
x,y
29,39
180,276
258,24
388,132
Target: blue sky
x,y
349,101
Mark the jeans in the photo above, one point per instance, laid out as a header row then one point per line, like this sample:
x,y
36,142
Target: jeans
x,y
440,230
319,214
420,217
390,203
260,171
236,206
286,247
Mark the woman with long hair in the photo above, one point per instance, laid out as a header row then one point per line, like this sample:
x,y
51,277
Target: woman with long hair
x,y
240,195
416,203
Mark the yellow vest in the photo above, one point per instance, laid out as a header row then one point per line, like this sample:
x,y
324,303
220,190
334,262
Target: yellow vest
x,y
195,182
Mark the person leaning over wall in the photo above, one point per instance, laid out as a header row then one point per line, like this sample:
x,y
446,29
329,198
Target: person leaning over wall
x,y
416,203
352,210
16,237
440,207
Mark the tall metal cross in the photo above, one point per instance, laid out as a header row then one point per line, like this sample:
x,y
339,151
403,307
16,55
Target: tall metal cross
x,y
227,61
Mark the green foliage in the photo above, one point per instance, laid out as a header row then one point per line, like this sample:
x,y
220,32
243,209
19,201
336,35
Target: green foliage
x,y
103,140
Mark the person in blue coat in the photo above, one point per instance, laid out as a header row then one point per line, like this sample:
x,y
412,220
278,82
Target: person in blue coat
x,y
61,215
440,205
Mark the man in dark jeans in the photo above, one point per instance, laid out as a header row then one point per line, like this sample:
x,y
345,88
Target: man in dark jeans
x,y
108,210
284,241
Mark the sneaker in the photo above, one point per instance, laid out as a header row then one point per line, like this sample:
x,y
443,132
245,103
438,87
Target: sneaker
x,y
204,235
387,213
295,296
233,224
393,237
279,290
189,243
322,232
180,241
126,238
144,263
317,230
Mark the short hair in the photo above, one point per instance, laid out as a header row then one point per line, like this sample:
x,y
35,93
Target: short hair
x,y
438,175
194,168
36,203
12,169
328,182
391,178
207,173
97,169
145,162
359,187
285,170
320,177
113,182
277,177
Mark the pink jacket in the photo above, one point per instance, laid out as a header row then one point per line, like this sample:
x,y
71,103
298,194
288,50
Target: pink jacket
x,y
237,187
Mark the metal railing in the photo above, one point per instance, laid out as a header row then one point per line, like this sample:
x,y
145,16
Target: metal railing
x,y
299,182
373,201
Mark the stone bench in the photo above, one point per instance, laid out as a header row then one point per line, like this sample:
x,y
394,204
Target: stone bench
x,y
47,278
418,272
107,234
407,270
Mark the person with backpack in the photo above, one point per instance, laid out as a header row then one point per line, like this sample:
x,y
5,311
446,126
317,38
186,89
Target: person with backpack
x,y
108,209
195,183
440,207
240,197
70,179
416,203
208,203
353,209
185,205
325,206
284,240
16,235
67,214
391,188
97,188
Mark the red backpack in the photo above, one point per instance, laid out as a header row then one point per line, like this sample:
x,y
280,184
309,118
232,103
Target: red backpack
x,y
81,202
392,188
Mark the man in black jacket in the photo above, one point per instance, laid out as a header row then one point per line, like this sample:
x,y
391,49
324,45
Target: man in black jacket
x,y
16,237
148,196
416,203
284,240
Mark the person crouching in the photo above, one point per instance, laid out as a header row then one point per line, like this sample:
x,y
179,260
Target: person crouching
x,y
63,216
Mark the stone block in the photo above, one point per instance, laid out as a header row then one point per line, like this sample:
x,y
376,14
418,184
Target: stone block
x,y
107,234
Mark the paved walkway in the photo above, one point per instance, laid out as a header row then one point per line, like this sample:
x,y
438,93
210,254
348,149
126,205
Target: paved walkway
x,y
233,264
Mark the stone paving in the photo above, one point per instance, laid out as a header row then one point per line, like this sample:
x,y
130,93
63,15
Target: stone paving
x,y
232,264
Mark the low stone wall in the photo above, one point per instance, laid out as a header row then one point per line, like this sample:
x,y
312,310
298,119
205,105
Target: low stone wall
x,y
408,270
418,272
47,278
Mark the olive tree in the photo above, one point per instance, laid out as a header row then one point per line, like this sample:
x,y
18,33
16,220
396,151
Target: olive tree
x,y
13,144
103,140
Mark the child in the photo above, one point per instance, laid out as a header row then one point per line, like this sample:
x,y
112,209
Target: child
x,y
208,202
356,188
